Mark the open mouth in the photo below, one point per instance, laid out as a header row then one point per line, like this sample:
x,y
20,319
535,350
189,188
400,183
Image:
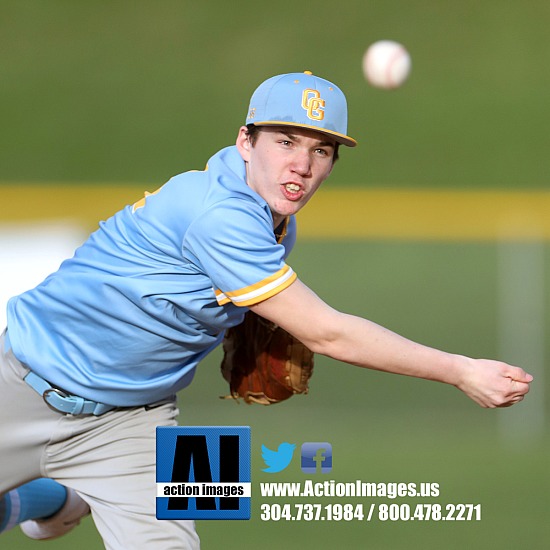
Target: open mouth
x,y
292,187
292,191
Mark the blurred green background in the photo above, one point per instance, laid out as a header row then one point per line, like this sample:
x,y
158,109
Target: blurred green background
x,y
126,94
136,91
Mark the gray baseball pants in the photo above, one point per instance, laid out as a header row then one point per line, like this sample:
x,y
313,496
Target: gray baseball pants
x,y
109,460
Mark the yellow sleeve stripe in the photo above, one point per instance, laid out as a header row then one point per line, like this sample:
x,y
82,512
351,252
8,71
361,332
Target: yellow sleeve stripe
x,y
260,291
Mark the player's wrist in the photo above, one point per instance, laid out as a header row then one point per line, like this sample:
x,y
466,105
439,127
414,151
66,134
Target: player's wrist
x,y
460,371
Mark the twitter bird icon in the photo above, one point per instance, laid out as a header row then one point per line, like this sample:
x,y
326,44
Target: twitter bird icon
x,y
277,461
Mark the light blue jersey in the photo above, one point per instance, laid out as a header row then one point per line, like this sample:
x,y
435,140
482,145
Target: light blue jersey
x,y
150,293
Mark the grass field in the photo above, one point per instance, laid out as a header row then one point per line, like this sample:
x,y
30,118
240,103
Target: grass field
x,y
102,100
138,91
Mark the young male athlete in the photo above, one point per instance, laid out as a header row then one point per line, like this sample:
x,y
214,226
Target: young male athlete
x,y
93,357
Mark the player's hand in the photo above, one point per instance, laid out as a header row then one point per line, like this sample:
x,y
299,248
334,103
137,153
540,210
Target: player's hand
x,y
493,383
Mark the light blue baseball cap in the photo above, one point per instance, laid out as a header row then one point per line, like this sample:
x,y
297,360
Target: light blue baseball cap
x,y
303,100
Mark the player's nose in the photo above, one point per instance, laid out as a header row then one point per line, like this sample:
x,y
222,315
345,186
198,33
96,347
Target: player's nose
x,y
301,162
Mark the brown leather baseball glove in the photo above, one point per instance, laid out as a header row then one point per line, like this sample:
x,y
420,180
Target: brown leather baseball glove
x,y
263,363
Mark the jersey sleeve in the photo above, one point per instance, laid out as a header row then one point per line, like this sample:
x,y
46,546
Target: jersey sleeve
x,y
235,245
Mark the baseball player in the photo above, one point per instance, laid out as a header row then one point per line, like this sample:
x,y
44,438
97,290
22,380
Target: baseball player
x,y
93,357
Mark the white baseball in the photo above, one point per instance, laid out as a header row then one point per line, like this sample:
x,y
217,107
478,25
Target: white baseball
x,y
386,64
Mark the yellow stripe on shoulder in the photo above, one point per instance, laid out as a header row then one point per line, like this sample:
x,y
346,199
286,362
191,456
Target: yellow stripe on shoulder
x,y
141,203
260,291
221,298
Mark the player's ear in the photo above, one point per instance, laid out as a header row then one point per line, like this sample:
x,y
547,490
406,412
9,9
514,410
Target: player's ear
x,y
243,143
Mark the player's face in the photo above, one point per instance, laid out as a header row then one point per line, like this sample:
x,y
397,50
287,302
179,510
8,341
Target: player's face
x,y
286,165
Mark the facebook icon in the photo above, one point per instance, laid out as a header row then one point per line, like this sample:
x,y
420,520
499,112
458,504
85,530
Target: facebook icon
x,y
316,456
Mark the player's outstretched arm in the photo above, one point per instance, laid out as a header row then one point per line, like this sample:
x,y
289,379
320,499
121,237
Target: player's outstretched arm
x,y
360,342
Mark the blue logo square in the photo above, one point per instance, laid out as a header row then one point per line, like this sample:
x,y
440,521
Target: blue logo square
x,y
316,457
203,472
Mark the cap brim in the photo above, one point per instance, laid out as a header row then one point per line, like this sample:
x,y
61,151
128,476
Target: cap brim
x,y
340,138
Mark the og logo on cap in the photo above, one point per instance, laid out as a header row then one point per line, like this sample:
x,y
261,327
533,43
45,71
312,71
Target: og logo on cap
x,y
304,100
313,104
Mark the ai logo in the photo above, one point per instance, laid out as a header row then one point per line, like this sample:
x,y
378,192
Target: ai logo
x,y
203,472
316,457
